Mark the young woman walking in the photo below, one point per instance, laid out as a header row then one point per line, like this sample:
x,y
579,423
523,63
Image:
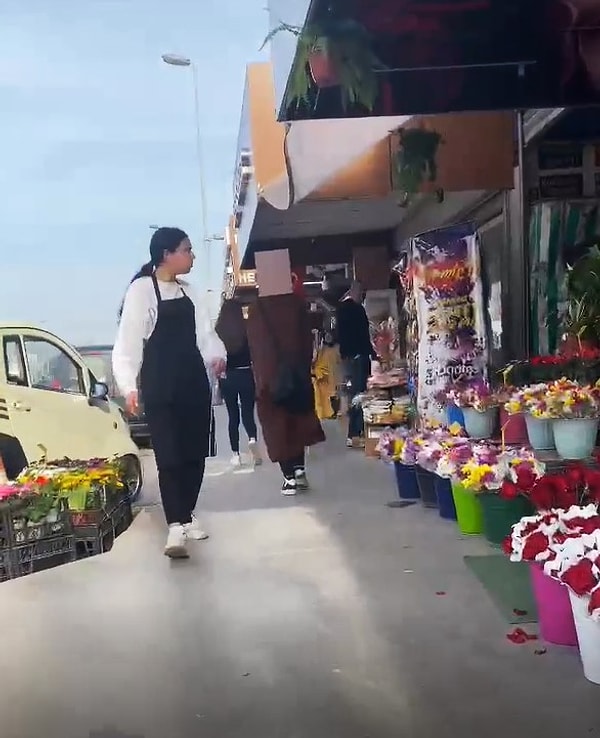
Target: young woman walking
x,y
237,384
165,338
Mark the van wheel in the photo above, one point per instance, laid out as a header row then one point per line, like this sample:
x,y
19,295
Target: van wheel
x,y
12,455
132,476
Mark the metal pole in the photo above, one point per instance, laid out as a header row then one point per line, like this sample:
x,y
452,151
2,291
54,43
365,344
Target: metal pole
x,y
203,206
522,224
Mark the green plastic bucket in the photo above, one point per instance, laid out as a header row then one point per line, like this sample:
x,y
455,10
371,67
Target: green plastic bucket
x,y
468,510
499,515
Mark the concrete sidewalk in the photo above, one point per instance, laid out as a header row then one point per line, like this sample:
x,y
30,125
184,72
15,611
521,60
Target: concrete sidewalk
x,y
307,617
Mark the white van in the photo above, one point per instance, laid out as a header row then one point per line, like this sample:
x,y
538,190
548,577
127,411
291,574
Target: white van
x,y
52,406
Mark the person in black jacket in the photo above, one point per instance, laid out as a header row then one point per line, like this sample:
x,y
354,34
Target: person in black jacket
x,y
237,384
356,351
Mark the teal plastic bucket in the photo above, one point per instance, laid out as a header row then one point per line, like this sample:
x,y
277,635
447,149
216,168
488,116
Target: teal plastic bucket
x,y
480,425
575,438
540,433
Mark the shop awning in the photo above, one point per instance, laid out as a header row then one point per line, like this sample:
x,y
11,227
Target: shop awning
x,y
318,150
427,57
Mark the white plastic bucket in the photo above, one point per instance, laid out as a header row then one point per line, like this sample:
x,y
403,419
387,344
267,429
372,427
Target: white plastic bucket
x,y
588,635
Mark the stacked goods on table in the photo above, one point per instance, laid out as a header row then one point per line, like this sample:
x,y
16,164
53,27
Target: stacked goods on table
x,y
385,403
55,510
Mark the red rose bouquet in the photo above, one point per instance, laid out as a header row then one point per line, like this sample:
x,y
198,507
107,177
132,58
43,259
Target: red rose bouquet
x,y
577,485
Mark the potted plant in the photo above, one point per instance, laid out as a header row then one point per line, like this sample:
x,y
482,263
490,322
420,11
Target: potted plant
x,y
531,401
480,409
575,413
335,52
415,162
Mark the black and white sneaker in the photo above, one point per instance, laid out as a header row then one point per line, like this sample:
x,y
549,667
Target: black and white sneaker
x,y
289,487
301,480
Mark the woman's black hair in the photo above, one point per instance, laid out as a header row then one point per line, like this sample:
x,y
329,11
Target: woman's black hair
x,y
163,239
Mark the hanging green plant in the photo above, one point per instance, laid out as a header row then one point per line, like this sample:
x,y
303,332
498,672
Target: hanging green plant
x,y
331,54
415,161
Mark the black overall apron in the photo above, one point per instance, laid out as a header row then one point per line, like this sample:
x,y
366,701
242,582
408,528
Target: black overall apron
x,y
177,402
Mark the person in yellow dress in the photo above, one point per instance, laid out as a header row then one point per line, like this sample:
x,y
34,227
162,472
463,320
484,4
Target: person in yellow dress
x,y
325,377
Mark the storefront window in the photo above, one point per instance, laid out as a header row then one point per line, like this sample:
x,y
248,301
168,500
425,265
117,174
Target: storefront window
x,y
492,245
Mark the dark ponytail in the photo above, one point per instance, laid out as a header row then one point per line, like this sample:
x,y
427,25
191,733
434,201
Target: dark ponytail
x,y
145,271
163,240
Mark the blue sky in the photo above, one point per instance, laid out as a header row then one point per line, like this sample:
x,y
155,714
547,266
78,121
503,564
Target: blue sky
x,y
97,142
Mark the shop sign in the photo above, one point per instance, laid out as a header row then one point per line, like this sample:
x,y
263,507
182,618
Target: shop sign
x,y
450,311
247,278
560,156
560,186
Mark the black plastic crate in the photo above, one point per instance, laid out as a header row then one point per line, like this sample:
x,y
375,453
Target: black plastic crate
x,y
41,555
26,532
93,540
5,566
103,503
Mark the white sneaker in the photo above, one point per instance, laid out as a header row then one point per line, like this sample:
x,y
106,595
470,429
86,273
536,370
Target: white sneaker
x,y
301,480
289,488
176,542
194,531
236,461
254,452
349,443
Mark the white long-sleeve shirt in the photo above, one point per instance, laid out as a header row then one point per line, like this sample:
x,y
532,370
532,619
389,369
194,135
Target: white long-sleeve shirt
x,y
137,324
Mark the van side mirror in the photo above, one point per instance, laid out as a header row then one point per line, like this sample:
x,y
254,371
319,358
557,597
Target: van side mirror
x,y
99,391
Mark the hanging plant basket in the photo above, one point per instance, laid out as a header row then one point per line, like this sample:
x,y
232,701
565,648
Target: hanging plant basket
x,y
322,69
415,164
335,53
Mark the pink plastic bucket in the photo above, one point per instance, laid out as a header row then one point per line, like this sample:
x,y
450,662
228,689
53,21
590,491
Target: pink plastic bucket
x,y
555,614
515,430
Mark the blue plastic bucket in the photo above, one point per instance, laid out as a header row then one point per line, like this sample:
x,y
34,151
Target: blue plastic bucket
x,y
575,438
406,481
480,425
540,433
445,498
454,414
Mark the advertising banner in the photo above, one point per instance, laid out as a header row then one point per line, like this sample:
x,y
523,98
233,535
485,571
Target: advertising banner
x,y
450,312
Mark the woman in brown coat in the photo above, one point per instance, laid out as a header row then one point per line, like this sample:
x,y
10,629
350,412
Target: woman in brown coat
x,y
279,328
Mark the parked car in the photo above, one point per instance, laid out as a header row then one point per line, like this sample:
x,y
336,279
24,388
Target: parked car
x,y
98,359
52,405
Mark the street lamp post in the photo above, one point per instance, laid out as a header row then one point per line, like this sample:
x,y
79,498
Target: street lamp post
x,y
175,60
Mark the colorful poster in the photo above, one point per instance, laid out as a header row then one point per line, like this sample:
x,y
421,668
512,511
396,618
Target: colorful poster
x,y
450,311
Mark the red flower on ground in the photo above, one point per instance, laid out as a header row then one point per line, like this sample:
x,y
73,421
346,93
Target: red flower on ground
x,y
507,545
535,544
580,577
575,475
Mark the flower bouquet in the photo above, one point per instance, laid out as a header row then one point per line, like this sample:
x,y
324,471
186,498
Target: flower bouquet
x,y
577,485
479,406
90,489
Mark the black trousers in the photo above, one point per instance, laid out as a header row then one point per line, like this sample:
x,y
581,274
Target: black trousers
x,y
238,390
289,467
358,370
180,438
179,490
